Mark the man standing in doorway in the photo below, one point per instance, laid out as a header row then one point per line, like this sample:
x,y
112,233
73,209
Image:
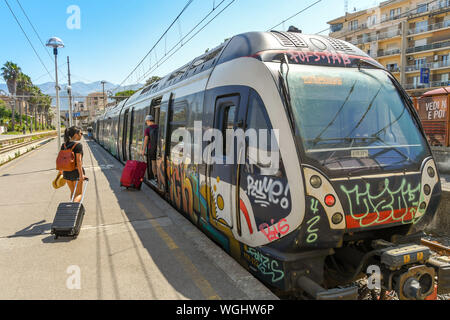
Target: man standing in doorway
x,y
151,135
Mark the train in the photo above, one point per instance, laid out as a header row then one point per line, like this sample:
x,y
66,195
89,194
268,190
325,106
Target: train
x,y
339,184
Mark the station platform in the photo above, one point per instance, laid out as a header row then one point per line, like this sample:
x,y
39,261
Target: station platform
x,y
132,245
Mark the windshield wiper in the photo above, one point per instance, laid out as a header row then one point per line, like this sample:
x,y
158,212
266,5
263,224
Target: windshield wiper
x,y
367,111
285,90
317,139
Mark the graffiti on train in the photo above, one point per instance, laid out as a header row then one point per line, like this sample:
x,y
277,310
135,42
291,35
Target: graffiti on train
x,y
265,191
326,56
265,265
312,230
274,231
387,204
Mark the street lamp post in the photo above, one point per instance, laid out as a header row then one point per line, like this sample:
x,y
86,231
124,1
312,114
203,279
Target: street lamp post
x,y
56,43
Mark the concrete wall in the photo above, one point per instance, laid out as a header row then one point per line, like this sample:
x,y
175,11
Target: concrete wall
x,y
442,158
441,221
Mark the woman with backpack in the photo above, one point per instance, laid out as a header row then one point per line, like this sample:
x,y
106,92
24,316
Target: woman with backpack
x,y
70,161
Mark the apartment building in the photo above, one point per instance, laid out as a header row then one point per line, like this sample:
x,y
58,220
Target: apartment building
x,y
410,37
95,104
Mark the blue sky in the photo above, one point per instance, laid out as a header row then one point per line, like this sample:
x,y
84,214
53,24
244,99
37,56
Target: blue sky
x,y
115,35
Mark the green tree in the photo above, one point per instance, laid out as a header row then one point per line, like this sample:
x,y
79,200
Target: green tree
x,y
151,80
35,100
11,72
122,95
24,85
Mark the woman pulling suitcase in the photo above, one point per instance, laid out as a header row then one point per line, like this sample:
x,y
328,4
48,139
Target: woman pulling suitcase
x,y
71,137
69,215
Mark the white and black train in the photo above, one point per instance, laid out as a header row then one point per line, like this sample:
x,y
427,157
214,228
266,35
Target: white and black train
x,y
341,177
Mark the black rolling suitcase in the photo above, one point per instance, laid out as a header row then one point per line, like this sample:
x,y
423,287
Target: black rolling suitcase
x,y
69,217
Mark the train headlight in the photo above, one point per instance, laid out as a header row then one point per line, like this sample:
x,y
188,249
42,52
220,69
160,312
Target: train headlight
x,y
431,172
427,190
315,181
337,218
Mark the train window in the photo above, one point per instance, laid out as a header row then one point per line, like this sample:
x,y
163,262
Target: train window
x,y
258,120
178,119
228,123
162,127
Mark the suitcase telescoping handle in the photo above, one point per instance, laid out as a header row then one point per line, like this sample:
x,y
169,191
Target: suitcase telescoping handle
x,y
84,191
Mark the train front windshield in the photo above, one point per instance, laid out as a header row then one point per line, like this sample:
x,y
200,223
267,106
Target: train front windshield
x,y
352,120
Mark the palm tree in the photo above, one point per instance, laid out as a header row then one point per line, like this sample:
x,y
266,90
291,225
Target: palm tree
x,y
10,72
23,87
34,102
47,101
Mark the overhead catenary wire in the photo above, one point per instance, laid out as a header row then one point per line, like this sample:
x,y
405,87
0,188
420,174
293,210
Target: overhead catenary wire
x,y
294,15
158,63
162,36
40,40
35,31
26,36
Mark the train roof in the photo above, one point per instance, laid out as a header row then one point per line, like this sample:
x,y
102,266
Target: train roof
x,y
248,45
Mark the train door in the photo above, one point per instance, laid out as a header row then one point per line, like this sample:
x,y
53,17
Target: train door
x,y
130,134
163,140
125,135
221,163
120,137
154,110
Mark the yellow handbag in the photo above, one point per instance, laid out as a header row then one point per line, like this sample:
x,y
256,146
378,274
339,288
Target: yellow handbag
x,y
59,181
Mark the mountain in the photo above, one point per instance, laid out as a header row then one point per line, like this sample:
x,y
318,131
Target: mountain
x,y
79,90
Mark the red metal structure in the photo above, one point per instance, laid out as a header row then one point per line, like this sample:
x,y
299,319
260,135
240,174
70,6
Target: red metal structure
x,y
432,107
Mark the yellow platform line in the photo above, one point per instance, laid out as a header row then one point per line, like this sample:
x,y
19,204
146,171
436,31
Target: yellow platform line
x,y
200,282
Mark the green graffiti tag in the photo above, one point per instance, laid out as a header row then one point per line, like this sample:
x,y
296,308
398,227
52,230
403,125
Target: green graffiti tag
x,y
386,206
266,265
312,236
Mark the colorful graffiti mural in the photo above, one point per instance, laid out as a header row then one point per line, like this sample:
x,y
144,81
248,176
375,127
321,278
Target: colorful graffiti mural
x,y
387,205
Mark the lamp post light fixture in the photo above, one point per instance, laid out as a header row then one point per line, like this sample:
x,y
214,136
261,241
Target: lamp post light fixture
x,y
56,43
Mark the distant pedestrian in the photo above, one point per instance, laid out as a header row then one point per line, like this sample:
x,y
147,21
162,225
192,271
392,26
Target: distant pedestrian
x,y
24,130
150,141
72,136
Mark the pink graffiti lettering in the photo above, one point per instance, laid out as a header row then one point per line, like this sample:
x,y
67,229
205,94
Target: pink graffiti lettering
x,y
331,58
336,58
275,231
346,59
293,56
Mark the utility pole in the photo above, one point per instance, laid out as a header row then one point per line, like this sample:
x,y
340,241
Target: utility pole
x,y
69,92
104,98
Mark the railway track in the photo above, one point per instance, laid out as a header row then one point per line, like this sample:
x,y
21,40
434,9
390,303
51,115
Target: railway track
x,y
10,144
437,247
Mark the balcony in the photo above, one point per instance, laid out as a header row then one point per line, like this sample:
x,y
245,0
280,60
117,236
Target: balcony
x,y
382,53
436,26
434,84
431,65
393,69
433,46
377,37
430,8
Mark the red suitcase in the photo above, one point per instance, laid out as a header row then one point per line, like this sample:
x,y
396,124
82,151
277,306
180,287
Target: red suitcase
x,y
133,174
